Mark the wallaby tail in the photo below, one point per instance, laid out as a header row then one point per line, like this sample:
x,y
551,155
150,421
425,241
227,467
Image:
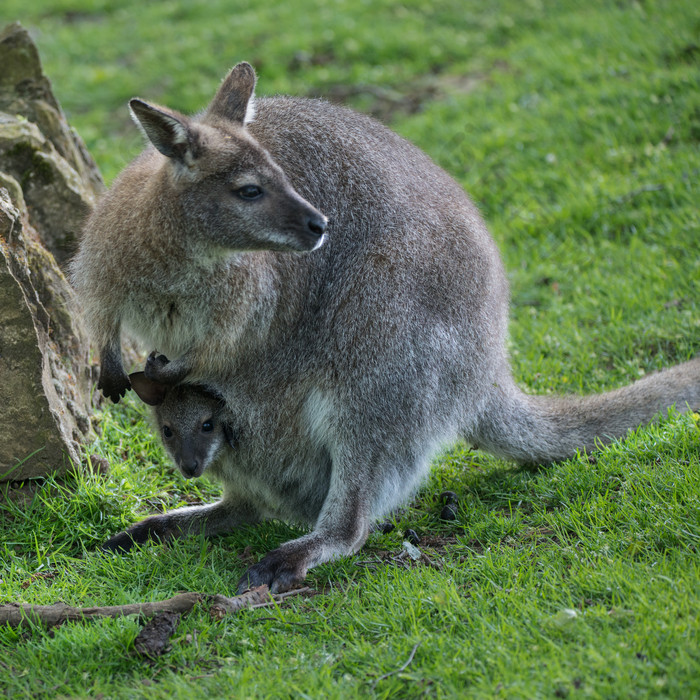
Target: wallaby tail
x,y
542,429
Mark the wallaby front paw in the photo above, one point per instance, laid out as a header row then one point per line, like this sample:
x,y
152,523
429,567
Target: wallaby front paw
x,y
155,366
160,369
279,571
113,387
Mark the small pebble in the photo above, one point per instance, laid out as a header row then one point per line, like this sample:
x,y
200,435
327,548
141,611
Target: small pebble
x,y
449,510
412,551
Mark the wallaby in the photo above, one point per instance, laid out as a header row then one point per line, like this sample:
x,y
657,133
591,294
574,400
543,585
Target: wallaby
x,y
346,349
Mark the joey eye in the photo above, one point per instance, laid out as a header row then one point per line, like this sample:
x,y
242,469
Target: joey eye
x,y
207,426
249,192
167,433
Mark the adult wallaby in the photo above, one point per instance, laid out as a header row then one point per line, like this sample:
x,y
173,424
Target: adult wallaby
x,y
342,369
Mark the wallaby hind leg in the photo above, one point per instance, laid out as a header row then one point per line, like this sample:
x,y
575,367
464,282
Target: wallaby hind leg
x,y
214,519
287,565
362,489
341,530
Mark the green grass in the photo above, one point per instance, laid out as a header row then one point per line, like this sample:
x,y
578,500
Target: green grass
x,y
575,126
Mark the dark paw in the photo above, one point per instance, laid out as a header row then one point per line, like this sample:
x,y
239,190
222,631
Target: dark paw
x,y
160,369
113,387
155,365
153,528
279,571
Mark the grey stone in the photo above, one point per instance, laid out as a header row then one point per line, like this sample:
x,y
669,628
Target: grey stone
x,y
44,394
48,184
38,148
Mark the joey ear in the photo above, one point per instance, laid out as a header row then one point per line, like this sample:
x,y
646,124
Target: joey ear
x,y
171,133
234,99
147,390
230,434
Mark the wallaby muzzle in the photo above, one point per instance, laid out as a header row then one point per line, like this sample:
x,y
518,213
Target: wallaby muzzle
x,y
311,235
317,225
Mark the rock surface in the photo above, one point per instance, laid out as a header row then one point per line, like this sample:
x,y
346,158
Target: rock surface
x,y
48,184
39,150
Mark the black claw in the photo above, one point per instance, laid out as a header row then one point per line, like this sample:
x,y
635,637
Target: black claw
x,y
155,358
256,575
155,365
114,389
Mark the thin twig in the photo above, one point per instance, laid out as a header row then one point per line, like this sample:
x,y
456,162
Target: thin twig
x,y
283,622
279,597
296,591
403,668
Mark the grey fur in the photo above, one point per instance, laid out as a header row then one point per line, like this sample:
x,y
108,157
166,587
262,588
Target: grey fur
x,y
342,369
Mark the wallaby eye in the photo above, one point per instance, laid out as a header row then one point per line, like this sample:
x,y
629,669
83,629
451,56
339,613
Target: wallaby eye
x,y
167,433
249,192
207,426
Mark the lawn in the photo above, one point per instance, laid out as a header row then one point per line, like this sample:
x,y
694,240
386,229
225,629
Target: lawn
x,y
576,128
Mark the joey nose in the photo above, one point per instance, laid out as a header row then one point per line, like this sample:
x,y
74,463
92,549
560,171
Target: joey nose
x,y
189,469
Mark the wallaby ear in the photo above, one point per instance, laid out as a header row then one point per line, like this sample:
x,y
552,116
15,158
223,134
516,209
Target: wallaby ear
x,y
147,390
171,133
234,99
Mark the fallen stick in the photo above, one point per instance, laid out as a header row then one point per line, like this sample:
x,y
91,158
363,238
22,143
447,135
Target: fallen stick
x,y
18,614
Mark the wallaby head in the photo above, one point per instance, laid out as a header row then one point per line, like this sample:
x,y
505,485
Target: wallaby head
x,y
229,191
190,421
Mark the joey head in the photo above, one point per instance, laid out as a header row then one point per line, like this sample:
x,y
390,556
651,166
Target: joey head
x,y
190,422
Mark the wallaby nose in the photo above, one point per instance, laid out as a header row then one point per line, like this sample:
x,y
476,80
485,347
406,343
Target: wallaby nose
x,y
317,224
